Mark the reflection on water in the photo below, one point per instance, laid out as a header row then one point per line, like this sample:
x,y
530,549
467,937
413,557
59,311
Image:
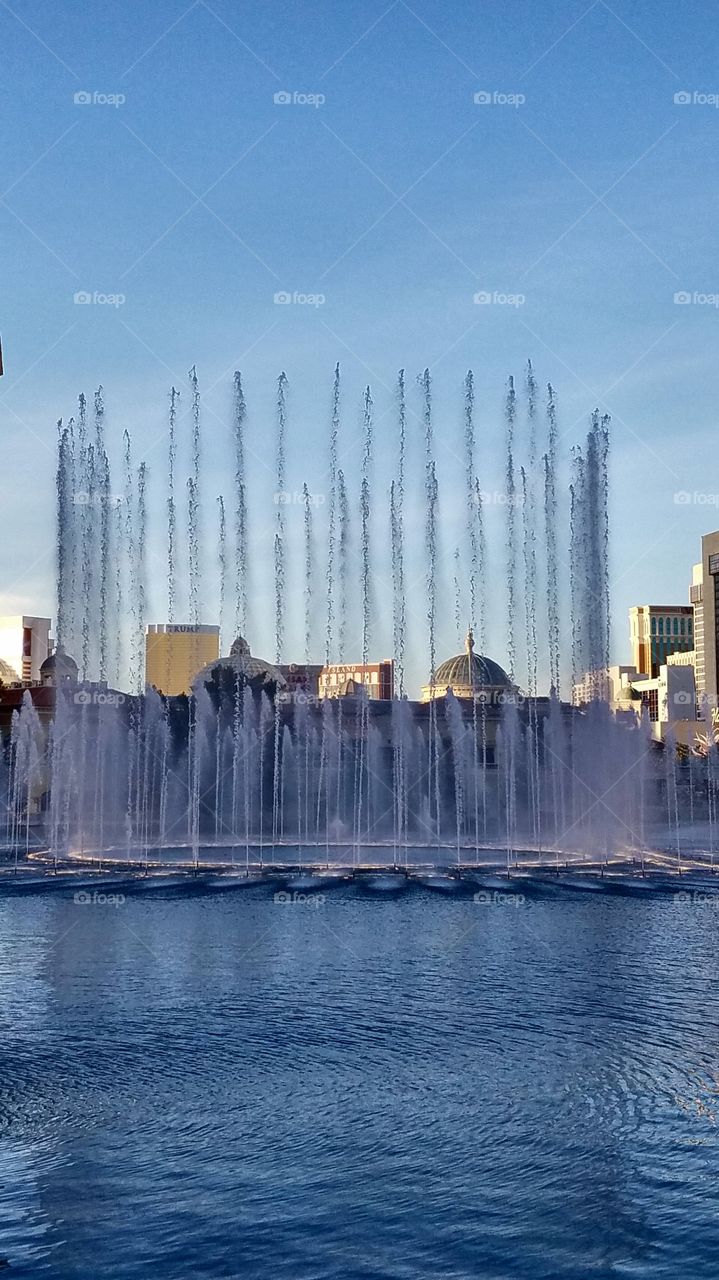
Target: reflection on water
x,y
359,1084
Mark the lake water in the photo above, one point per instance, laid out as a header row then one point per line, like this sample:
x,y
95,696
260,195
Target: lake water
x,y
199,1084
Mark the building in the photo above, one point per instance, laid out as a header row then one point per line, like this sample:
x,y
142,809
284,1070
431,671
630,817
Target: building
x,y
601,686
658,630
469,675
24,646
175,652
238,669
669,697
340,679
301,678
695,597
705,602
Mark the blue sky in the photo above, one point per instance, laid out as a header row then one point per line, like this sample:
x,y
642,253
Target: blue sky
x,y
397,199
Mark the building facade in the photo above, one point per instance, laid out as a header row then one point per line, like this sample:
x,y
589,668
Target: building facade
x,y
24,646
704,597
658,630
302,678
175,652
342,678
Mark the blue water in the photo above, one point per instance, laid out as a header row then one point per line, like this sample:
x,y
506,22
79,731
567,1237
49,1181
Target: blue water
x,y
404,1085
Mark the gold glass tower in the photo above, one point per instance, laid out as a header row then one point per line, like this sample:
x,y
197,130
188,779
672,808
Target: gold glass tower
x,y
175,652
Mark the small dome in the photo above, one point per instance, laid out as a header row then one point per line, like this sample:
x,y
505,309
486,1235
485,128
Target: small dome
x,y
59,668
240,648
628,694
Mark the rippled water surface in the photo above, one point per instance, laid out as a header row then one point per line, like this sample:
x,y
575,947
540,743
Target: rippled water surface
x,y
398,1084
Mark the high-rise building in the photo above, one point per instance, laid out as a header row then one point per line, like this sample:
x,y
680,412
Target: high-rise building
x,y
175,652
24,646
656,630
704,597
695,596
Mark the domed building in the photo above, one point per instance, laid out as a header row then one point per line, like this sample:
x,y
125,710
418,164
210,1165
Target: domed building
x,y
240,662
469,675
59,669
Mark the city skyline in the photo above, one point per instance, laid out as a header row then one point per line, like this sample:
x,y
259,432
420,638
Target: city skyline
x,y
382,280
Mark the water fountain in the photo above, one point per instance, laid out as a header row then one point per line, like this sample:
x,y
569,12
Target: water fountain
x,y
244,773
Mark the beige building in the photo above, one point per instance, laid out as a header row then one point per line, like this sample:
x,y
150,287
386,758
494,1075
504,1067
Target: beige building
x,y
24,646
175,652
669,697
658,630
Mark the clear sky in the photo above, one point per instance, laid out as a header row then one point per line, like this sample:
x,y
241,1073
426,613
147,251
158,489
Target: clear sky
x,y
397,198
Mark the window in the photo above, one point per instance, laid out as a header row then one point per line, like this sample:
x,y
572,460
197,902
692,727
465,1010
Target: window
x,y
654,626
661,626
